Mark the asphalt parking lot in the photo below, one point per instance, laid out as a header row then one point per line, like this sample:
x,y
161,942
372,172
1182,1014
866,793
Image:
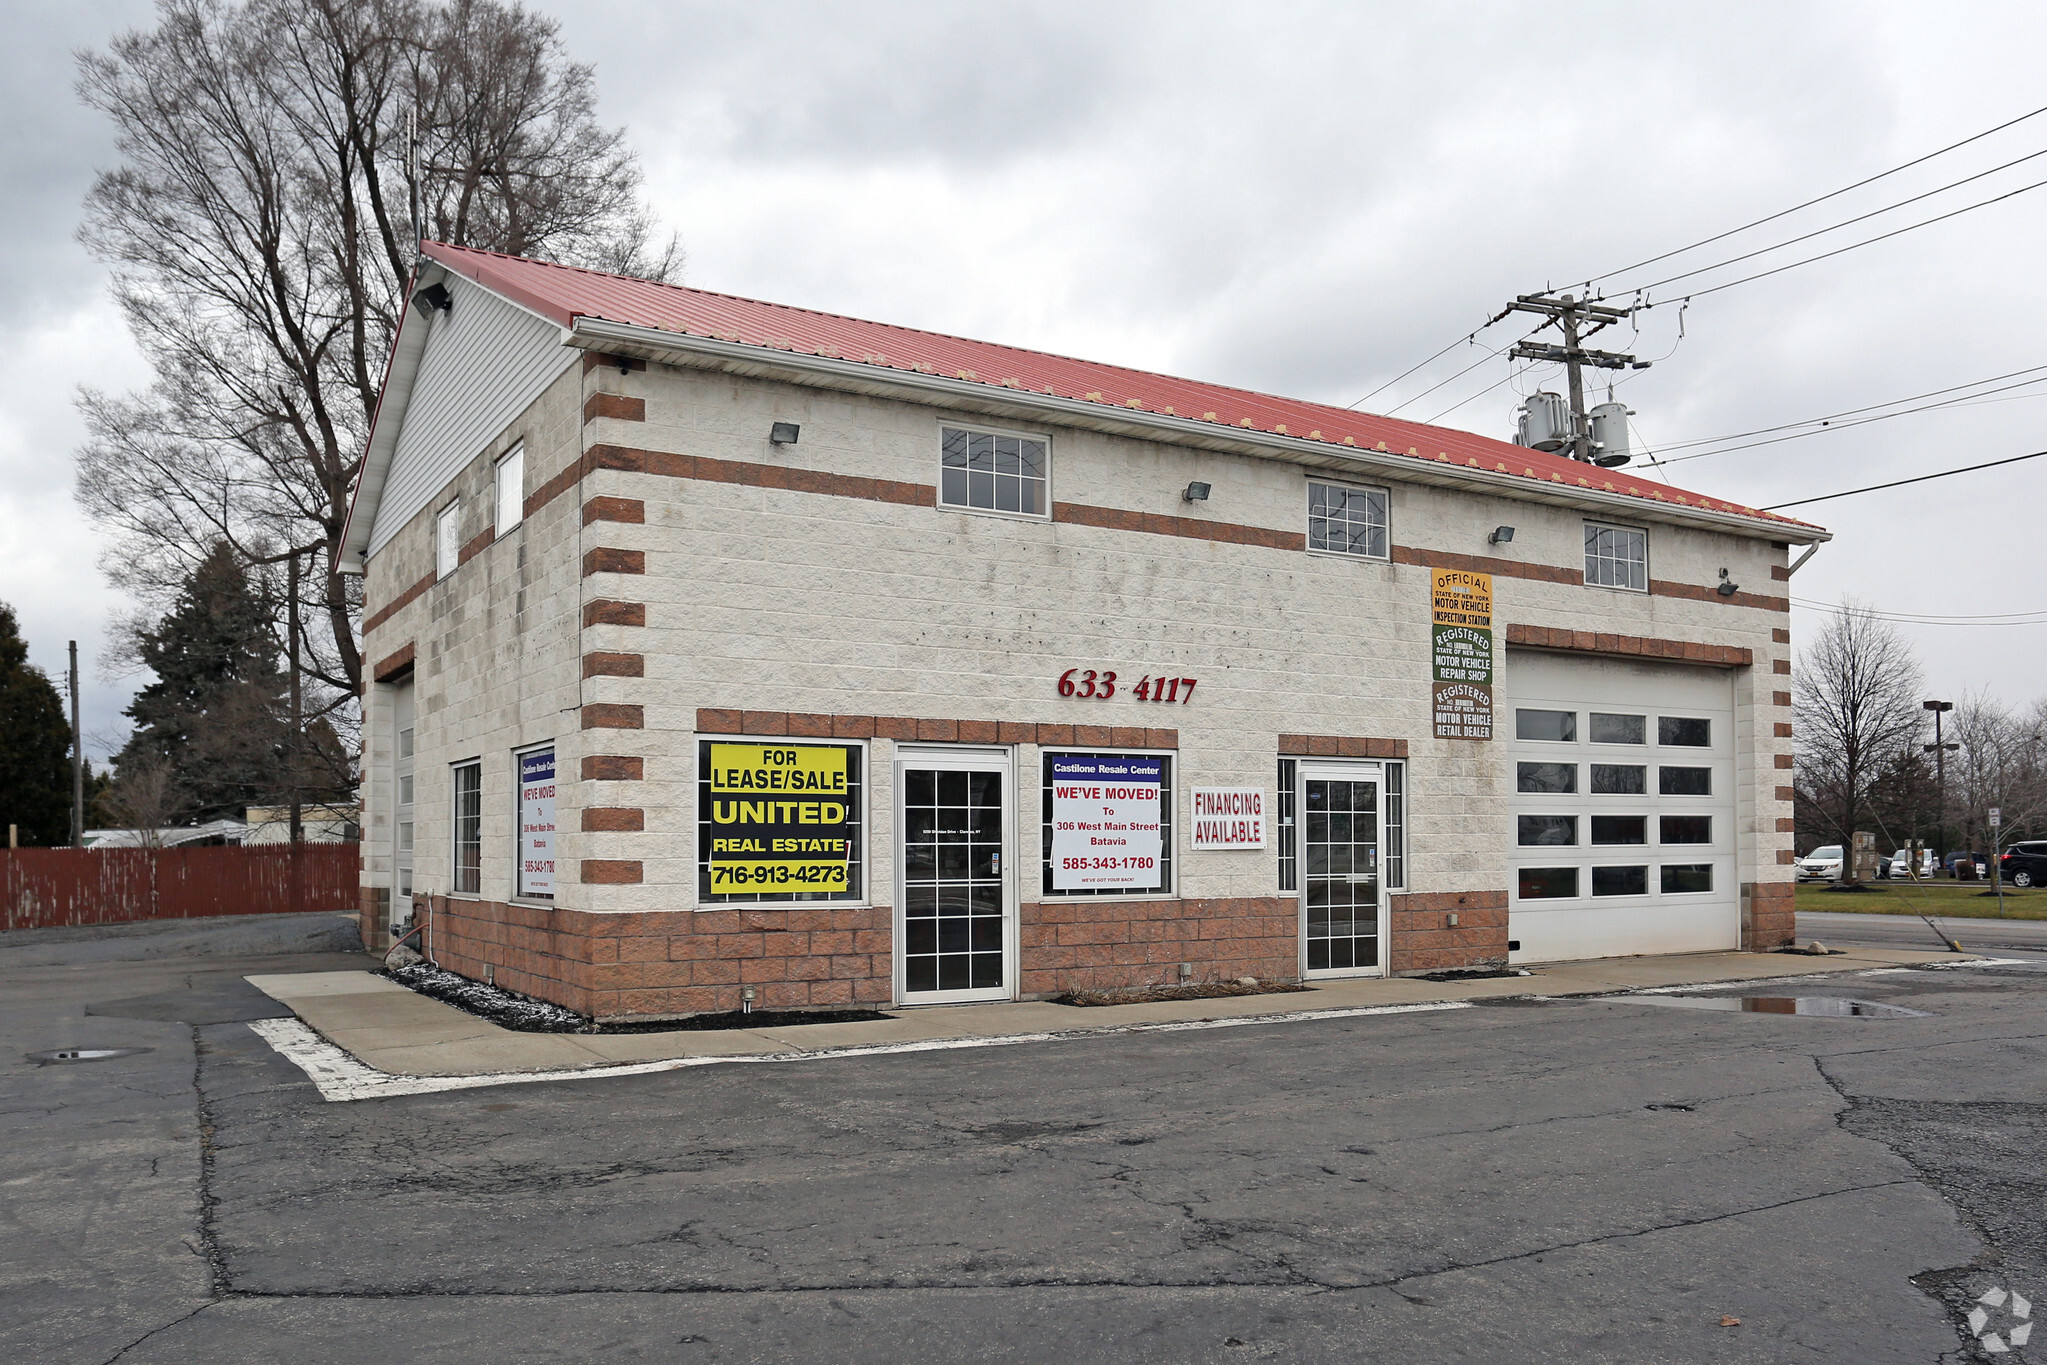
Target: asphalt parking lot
x,y
1598,1180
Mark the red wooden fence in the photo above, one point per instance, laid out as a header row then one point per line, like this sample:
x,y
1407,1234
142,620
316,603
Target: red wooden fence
x,y
43,888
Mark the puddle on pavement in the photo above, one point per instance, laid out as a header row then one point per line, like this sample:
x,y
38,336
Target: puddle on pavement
x,y
1821,1006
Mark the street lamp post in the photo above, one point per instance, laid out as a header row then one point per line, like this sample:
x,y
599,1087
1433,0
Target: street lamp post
x,y
1940,751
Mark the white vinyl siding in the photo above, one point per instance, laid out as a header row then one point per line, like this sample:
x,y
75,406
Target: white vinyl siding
x,y
485,362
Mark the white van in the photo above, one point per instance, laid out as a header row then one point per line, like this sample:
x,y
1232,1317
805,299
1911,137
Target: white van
x,y
1821,865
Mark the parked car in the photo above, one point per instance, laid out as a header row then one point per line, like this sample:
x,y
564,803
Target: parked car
x,y
1821,865
1899,864
1982,863
2024,865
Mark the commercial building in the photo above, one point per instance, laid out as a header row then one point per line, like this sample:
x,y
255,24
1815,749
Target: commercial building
x,y
719,646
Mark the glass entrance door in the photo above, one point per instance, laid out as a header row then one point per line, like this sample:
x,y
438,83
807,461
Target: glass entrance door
x,y
955,930
1341,904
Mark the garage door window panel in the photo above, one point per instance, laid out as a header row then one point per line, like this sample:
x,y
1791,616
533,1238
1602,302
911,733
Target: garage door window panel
x,y
1620,829
1549,883
1546,831
1685,829
1620,779
1683,879
1560,778
1551,727
1684,781
1610,728
1684,732
1620,881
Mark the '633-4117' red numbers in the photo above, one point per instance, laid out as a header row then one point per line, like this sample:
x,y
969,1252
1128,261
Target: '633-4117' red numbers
x,y
1100,685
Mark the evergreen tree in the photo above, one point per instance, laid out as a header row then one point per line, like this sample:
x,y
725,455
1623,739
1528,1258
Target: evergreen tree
x,y
213,721
35,745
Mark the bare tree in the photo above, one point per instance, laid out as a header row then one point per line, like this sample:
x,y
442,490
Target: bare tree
x,y
275,156
1855,700
1998,765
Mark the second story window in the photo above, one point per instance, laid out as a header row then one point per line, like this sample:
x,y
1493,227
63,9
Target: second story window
x,y
989,472
511,488
1616,557
1347,520
448,540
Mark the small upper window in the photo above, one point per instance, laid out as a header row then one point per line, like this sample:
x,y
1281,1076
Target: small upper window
x,y
1346,520
447,540
1616,557
992,473
511,488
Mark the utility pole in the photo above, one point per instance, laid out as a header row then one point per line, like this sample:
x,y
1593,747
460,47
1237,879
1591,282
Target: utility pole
x,y
1940,751
1571,316
77,760
291,615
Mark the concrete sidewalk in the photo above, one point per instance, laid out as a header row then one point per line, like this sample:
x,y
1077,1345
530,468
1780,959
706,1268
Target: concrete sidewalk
x,y
402,1033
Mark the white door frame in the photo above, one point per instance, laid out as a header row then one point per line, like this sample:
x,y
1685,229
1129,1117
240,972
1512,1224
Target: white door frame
x,y
1340,770
958,758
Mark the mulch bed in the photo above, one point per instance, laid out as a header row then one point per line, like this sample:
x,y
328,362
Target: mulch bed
x,y
523,1014
1470,974
1145,995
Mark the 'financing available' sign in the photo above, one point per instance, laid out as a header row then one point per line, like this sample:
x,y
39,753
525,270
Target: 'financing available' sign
x,y
1461,653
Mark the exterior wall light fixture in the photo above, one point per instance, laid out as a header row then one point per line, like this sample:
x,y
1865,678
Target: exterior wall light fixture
x,y
784,433
1196,492
746,1000
1726,588
1500,536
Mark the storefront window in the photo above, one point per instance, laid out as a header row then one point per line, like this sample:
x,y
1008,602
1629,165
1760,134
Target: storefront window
x,y
1108,824
780,821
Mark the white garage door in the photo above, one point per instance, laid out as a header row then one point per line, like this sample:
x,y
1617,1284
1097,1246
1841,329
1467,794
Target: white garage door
x,y
1622,813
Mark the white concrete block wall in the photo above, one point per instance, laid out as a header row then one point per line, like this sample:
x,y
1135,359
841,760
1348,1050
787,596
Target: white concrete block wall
x,y
776,600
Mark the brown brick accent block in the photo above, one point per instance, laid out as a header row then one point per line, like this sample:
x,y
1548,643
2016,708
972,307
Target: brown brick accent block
x,y
373,918
607,613
599,360
1780,573
1192,528
615,405
598,664
1780,666
614,768
805,725
614,561
1786,825
1785,857
394,665
706,469
1630,646
1784,760
669,963
396,604
1783,729
1768,915
1423,941
1341,746
476,545
616,818
629,510
1779,635
1088,944
611,715
1787,793
611,871
1780,699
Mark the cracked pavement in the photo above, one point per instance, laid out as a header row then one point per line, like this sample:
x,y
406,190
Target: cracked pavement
x,y
1590,1180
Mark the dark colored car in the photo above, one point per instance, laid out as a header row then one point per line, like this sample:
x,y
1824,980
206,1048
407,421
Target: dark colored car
x,y
2024,865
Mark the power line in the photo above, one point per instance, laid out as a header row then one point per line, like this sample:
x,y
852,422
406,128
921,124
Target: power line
x,y
1963,401
1468,337
1867,241
1836,227
1931,617
1489,355
1899,483
1896,619
1832,194
1851,412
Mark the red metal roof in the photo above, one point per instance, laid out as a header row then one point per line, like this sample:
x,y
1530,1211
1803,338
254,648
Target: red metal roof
x,y
564,293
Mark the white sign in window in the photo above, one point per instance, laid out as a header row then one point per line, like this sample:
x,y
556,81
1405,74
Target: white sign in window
x,y
1106,817
536,823
1228,817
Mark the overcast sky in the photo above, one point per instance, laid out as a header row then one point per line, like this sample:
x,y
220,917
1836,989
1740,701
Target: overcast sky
x,y
1303,198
